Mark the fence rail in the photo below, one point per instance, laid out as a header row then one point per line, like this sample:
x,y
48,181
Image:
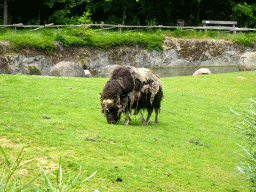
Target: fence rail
x,y
110,26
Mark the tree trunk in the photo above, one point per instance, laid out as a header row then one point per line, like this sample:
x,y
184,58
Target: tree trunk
x,y
5,12
198,9
39,15
124,14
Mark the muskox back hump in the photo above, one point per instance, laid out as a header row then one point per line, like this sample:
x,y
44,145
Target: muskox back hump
x,y
124,73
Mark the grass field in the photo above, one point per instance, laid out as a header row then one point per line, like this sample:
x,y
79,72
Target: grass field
x,y
193,148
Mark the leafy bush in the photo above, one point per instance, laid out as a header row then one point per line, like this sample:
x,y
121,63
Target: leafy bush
x,y
115,39
244,39
245,14
35,41
247,128
85,18
43,39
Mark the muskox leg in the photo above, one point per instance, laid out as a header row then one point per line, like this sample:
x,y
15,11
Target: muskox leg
x,y
156,119
127,118
142,118
148,118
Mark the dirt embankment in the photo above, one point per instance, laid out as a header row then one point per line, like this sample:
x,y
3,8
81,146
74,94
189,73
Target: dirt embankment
x,y
176,53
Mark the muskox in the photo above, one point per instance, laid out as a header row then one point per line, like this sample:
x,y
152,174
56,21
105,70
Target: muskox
x,y
128,89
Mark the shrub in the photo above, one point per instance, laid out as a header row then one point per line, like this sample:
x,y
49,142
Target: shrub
x,y
29,40
244,39
247,128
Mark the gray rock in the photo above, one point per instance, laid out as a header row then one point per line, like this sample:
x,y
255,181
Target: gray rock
x,y
4,67
68,69
202,71
14,64
107,71
247,62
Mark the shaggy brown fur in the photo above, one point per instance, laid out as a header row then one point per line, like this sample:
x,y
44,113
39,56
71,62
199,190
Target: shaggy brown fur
x,y
131,88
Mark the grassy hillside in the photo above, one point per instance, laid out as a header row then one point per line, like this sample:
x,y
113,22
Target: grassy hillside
x,y
43,39
193,148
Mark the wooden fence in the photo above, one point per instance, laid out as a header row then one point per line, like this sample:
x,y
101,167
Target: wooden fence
x,y
136,28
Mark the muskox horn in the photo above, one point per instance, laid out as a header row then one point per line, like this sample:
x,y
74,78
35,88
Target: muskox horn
x,y
119,106
107,102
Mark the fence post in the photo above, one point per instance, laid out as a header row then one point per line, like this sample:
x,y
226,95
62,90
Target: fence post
x,y
15,28
234,31
205,27
120,28
160,27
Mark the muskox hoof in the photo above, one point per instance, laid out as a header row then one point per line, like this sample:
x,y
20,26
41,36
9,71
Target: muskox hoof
x,y
126,122
155,123
142,119
146,123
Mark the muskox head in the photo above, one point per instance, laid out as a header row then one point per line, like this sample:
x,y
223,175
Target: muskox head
x,y
112,110
110,100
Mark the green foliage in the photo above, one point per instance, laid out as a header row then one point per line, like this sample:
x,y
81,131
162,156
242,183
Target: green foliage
x,y
139,12
243,39
247,39
85,18
43,39
8,172
29,40
247,130
179,32
61,185
244,14
151,22
59,17
9,169
115,39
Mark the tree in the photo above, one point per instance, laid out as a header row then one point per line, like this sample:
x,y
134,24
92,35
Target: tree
x,y
5,12
245,14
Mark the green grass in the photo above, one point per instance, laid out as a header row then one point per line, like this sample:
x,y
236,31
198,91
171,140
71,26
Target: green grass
x,y
43,39
246,126
193,148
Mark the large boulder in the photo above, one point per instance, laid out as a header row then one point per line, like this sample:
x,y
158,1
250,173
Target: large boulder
x,y
202,71
247,62
107,71
68,69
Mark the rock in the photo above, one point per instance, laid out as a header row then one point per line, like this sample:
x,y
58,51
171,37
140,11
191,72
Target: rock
x,y
13,64
118,179
4,67
202,71
247,62
33,70
4,45
106,72
59,46
87,73
68,69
